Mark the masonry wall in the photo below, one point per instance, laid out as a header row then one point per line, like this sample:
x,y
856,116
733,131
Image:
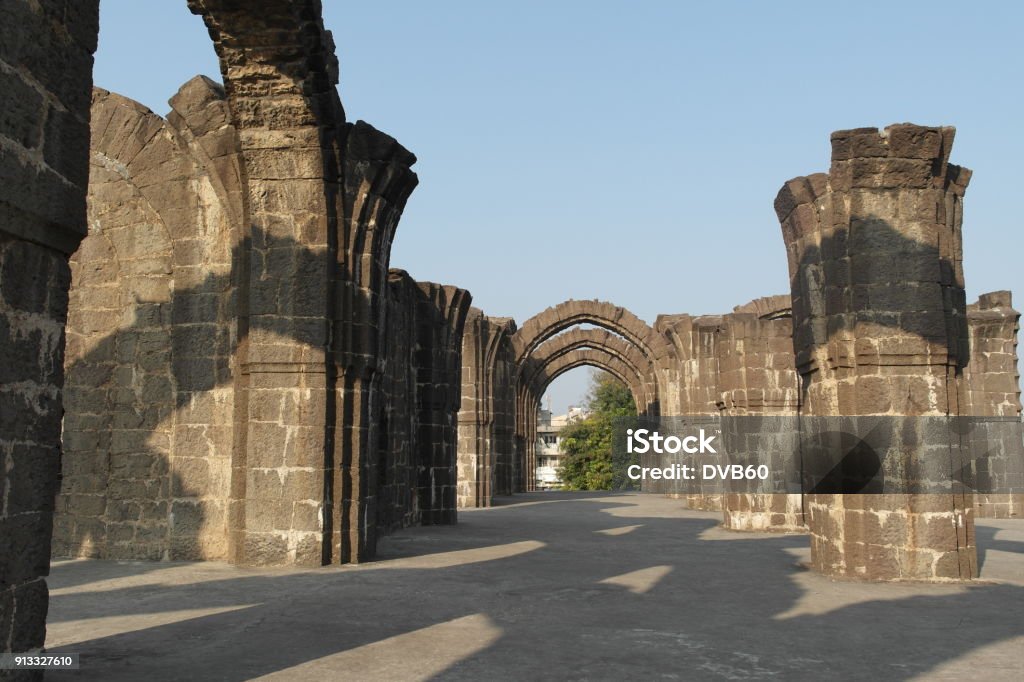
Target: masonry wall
x,y
504,413
875,262
740,363
990,387
442,313
152,334
397,418
757,377
486,415
186,441
690,381
45,75
414,464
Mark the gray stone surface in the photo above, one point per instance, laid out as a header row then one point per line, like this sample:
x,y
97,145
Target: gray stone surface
x,y
486,416
249,380
221,378
554,586
45,77
885,336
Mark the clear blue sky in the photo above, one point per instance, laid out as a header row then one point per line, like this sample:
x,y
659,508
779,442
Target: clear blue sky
x,y
631,151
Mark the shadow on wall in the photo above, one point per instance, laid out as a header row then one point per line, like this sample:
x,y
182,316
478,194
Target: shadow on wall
x,y
667,593
150,422
900,297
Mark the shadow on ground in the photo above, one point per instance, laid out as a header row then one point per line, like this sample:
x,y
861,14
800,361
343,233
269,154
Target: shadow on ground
x,y
553,586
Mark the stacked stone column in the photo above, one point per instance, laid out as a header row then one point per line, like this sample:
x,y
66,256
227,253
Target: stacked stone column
x,y
694,341
874,251
279,72
324,198
439,370
475,422
991,389
46,78
484,448
756,378
376,182
503,408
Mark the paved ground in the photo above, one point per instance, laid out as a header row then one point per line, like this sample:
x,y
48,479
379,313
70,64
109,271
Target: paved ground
x,y
551,586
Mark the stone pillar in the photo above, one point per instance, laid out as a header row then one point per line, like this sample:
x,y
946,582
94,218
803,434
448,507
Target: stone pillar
x,y
476,422
279,73
756,377
46,77
518,461
395,465
484,452
991,388
503,408
519,442
151,334
439,381
530,461
695,344
874,252
377,180
323,202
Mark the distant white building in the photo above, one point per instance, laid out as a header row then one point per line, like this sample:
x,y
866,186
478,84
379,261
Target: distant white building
x,y
549,453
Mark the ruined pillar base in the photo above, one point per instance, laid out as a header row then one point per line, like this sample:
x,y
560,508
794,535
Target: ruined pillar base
x,y
749,512
892,537
704,502
1008,506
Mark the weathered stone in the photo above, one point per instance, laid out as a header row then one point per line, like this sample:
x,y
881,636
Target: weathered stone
x,y
903,350
45,74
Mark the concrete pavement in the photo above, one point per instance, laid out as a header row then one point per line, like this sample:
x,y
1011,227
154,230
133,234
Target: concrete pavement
x,y
545,586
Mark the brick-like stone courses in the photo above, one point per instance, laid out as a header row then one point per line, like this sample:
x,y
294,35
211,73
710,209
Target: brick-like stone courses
x,y
990,387
690,388
324,196
874,252
503,408
176,417
757,377
377,181
691,383
46,76
442,314
486,410
555,319
149,424
279,71
413,468
642,378
600,358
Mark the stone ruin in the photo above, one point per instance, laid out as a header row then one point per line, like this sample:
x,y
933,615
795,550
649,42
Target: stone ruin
x,y
194,368
247,378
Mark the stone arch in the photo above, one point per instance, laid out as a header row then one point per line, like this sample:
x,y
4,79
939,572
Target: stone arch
x,y
529,393
642,369
594,357
325,196
570,313
305,206
149,334
486,419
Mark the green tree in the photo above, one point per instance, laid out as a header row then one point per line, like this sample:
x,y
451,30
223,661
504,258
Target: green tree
x,y
587,443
